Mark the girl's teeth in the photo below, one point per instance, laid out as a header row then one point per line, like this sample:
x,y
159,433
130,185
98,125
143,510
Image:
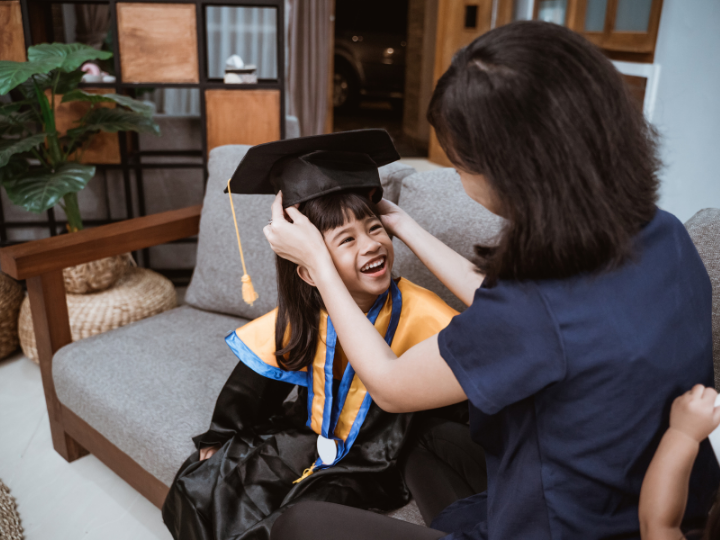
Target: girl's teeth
x,y
373,265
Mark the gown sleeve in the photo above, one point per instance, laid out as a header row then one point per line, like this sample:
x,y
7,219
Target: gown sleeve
x,y
246,400
505,347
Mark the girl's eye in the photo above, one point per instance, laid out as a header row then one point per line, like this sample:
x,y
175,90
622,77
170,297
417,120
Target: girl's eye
x,y
375,227
348,239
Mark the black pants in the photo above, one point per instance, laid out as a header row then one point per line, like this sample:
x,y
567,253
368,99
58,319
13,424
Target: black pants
x,y
441,466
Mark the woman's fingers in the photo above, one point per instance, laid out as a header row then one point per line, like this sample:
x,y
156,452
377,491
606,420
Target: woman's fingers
x,y
295,214
276,209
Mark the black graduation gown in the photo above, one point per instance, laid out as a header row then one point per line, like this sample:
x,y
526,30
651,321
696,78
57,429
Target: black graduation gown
x,y
265,445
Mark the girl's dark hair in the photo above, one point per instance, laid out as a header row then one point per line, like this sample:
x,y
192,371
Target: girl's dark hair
x,y
299,304
547,119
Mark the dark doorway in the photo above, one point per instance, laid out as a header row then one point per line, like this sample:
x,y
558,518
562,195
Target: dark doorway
x,y
369,60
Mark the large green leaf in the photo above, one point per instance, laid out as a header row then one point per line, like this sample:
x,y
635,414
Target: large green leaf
x,y
10,147
16,167
113,120
126,101
16,123
68,81
65,56
7,109
41,190
13,74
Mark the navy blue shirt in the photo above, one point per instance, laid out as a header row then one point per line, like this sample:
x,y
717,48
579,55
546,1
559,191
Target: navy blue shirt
x,y
570,385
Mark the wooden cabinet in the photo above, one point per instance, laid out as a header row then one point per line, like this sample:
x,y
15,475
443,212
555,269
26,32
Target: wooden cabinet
x,y
624,29
619,25
12,39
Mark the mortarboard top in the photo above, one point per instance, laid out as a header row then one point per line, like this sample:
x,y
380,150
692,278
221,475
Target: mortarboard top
x,y
308,167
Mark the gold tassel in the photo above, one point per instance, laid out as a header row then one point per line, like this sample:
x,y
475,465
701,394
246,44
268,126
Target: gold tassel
x,y
307,472
248,291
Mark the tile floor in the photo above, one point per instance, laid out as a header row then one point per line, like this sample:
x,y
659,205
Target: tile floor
x,y
59,500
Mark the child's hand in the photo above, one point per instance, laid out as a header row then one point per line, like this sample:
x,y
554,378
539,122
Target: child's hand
x,y
208,452
694,413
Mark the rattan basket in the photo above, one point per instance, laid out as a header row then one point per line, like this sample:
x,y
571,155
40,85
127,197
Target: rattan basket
x,y
11,296
140,293
96,275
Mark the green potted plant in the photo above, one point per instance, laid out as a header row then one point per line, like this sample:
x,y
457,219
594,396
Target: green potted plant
x,y
39,167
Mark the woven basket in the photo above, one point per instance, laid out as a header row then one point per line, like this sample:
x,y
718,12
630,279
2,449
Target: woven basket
x,y
140,293
10,527
96,275
11,295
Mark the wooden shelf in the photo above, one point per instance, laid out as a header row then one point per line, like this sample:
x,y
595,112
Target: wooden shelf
x,y
12,38
158,42
245,117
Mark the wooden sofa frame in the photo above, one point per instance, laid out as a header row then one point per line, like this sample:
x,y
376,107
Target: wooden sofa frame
x,y
40,263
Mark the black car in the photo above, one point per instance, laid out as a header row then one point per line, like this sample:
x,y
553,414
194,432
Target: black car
x,y
370,42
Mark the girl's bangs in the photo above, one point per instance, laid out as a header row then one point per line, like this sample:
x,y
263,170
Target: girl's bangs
x,y
336,209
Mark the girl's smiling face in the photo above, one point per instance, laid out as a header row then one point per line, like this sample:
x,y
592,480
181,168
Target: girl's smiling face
x,y
363,255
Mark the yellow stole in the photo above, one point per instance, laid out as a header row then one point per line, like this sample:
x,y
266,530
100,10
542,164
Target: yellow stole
x,y
405,315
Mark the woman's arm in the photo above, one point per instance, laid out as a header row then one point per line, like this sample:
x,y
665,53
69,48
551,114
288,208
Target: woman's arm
x,y
420,379
452,269
664,491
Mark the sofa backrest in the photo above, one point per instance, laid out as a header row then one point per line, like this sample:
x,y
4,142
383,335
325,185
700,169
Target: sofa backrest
x,y
438,202
704,229
215,284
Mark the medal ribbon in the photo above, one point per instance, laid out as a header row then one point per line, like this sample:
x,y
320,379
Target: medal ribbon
x,y
333,405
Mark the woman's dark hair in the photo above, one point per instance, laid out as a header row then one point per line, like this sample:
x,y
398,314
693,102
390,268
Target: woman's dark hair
x,y
548,120
299,304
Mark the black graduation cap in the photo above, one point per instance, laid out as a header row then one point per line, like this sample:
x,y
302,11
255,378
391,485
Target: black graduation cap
x,y
308,167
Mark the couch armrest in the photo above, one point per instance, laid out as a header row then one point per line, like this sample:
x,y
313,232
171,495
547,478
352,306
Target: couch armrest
x,y
39,257
41,263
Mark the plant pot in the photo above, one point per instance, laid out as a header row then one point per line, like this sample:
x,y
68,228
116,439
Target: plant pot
x,y
11,296
97,275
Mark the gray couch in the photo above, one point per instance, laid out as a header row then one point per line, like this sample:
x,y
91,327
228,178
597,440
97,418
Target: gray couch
x,y
150,386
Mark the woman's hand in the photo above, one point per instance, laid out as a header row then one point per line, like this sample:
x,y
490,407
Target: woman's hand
x,y
392,216
298,240
694,413
208,452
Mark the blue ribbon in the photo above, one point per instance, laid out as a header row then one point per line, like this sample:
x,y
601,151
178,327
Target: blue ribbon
x,y
333,406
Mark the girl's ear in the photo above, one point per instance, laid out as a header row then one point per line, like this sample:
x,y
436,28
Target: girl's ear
x,y
305,275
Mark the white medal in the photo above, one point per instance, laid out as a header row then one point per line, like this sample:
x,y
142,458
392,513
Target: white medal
x,y
327,450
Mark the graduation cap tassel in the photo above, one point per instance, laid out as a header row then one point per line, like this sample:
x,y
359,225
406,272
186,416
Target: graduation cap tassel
x,y
248,291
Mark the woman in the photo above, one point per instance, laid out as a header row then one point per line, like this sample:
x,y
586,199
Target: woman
x,y
584,323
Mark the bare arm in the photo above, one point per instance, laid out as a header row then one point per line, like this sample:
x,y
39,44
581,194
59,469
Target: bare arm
x,y
419,379
665,489
664,492
452,269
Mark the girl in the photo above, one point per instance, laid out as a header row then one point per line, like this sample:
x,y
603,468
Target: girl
x,y
664,491
260,455
591,314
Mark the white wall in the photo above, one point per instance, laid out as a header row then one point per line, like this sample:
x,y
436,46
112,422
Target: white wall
x,y
687,111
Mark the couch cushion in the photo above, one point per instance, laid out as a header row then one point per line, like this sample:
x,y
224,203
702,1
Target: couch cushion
x,y
215,284
704,229
438,202
144,389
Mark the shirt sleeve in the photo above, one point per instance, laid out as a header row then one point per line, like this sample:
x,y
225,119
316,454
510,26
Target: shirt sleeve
x,y
505,347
